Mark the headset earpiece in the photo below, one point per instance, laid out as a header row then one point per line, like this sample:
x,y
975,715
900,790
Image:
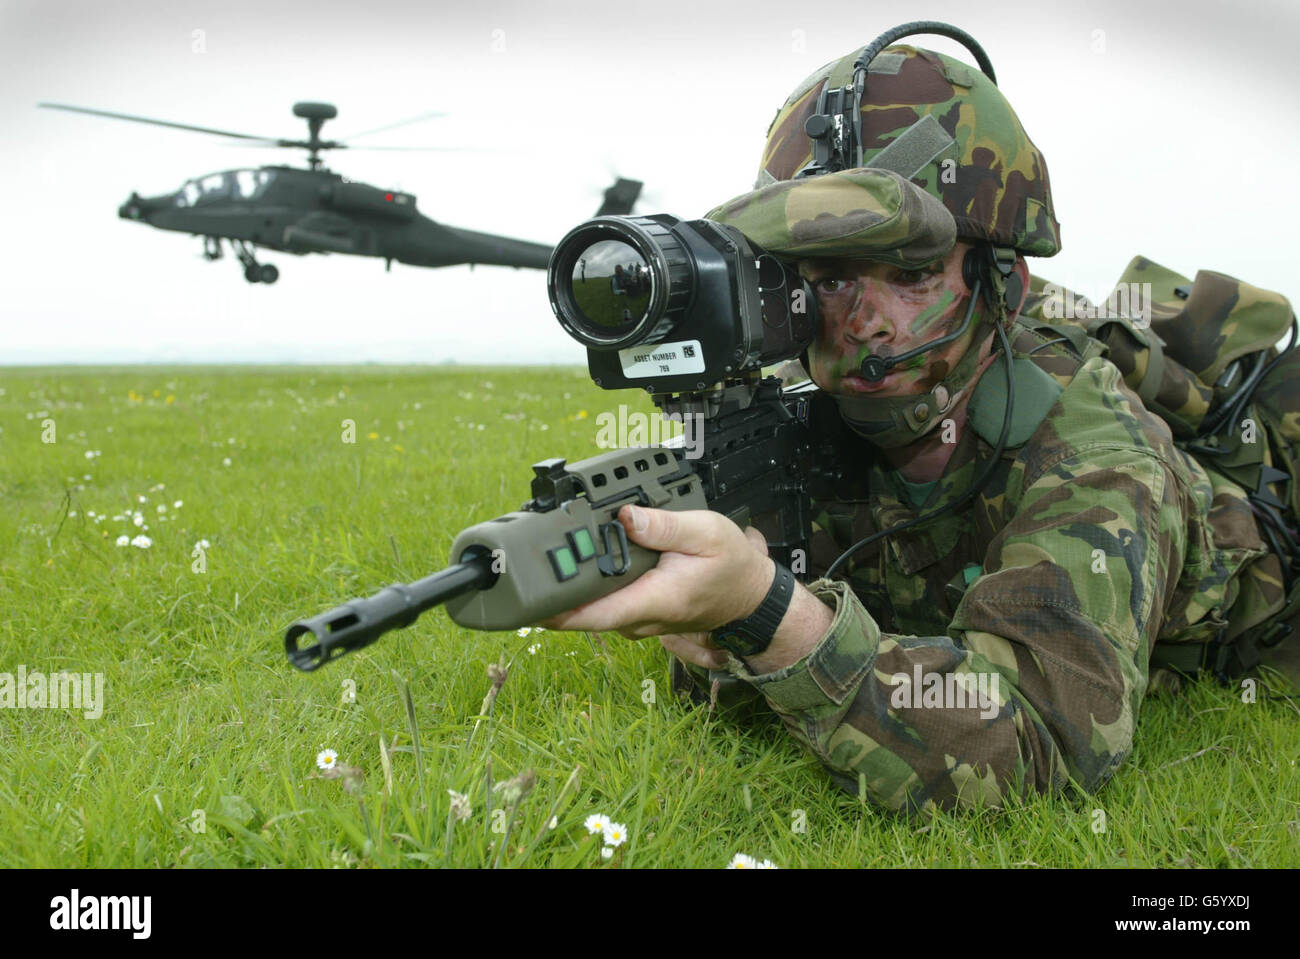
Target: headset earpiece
x,y
1015,289
981,262
971,267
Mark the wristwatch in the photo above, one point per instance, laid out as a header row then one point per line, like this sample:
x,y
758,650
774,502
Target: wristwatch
x,y
753,634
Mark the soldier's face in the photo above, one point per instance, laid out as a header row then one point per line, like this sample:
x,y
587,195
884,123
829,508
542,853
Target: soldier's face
x,y
868,307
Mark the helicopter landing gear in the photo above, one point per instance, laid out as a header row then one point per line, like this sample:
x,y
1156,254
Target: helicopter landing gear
x,y
254,272
212,248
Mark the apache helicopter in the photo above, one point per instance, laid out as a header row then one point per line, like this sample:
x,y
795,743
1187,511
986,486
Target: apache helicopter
x,y
316,210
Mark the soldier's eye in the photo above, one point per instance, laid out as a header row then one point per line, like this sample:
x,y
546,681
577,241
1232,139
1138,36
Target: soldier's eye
x,y
911,277
830,284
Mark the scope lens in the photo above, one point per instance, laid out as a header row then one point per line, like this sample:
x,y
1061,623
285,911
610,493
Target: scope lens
x,y
611,286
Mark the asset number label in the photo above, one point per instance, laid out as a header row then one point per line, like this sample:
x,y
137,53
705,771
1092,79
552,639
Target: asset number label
x,y
662,359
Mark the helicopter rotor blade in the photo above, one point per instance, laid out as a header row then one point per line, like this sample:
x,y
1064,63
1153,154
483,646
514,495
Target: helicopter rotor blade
x,y
160,123
432,149
393,126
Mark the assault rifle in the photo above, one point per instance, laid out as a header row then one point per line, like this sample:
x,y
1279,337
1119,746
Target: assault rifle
x,y
690,312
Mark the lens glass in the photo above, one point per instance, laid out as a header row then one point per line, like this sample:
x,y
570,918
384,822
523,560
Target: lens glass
x,y
611,287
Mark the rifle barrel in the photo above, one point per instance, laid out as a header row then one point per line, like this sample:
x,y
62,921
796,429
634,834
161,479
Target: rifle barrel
x,y
362,621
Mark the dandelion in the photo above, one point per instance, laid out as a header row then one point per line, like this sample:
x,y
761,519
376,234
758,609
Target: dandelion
x,y
372,435
460,806
596,823
123,540
741,861
615,834
142,541
523,631
607,852
178,504
326,758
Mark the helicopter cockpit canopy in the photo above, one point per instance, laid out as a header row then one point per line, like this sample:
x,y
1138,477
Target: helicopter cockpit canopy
x,y
230,185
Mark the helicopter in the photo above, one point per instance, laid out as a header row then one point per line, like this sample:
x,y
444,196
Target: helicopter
x,y
315,210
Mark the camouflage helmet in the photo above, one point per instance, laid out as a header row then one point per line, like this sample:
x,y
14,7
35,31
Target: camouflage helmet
x,y
986,171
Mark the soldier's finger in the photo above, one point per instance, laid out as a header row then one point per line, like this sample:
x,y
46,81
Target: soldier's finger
x,y
756,540
688,648
633,606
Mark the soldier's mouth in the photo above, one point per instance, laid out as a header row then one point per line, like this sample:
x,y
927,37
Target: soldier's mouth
x,y
853,383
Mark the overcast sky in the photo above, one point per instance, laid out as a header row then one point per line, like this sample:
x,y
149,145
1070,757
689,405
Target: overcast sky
x,y
1170,130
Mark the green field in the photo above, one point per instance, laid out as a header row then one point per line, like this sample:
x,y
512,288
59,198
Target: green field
x,y
205,754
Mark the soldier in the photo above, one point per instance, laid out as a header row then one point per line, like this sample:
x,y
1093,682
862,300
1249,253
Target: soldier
x,y
1032,528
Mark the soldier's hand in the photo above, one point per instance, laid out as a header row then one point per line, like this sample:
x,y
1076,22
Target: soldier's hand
x,y
709,573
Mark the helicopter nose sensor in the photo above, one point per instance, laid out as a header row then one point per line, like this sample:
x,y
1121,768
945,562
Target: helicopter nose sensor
x,y
132,209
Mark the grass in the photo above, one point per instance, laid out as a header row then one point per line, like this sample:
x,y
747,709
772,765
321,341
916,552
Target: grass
x,y
205,753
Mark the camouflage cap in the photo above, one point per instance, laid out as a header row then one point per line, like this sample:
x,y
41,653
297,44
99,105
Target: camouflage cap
x,y
973,155
869,213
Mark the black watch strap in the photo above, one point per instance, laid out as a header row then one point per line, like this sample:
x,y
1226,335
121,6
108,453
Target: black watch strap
x,y
753,634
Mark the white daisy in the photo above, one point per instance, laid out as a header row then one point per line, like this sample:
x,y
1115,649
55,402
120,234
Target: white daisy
x,y
178,504
615,834
607,852
523,631
142,541
741,861
326,758
596,822
124,540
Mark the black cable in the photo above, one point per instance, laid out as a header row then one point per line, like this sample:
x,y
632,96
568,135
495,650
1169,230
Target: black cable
x,y
975,487
926,26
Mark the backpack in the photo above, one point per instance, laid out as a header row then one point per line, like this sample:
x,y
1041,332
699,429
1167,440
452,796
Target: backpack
x,y
1202,355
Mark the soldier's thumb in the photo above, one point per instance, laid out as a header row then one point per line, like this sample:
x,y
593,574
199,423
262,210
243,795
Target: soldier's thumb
x,y
663,530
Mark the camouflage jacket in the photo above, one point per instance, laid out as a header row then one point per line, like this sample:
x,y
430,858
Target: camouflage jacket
x,y
1004,648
